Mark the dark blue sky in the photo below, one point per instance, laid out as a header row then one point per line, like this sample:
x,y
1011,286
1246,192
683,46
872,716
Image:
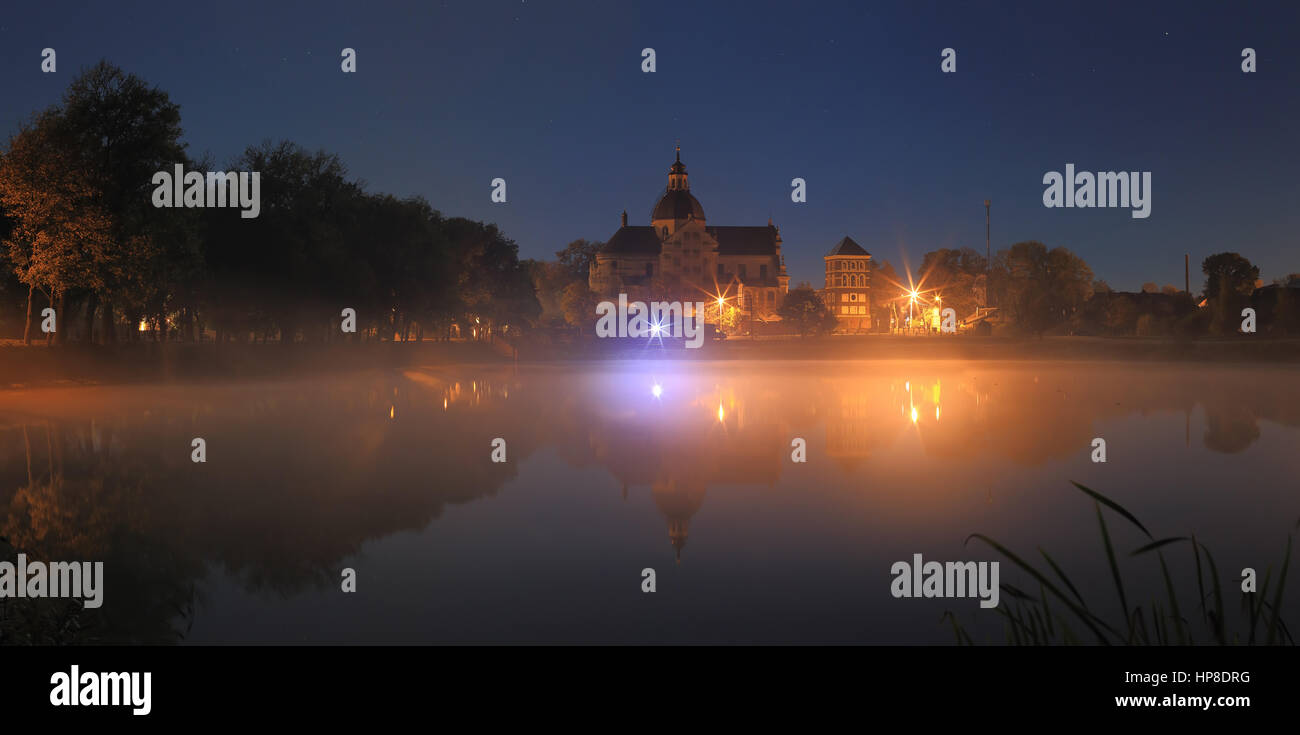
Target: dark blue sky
x,y
847,95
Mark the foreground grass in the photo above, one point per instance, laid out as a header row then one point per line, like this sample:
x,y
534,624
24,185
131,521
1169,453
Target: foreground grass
x,y
1060,615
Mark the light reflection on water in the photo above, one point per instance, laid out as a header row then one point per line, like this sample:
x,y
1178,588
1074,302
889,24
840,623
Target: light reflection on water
x,y
685,468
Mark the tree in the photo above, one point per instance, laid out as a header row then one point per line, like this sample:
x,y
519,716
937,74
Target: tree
x,y
885,289
1121,314
551,279
60,236
301,260
1040,288
579,305
121,131
1150,287
1229,281
493,285
1228,273
576,258
804,310
955,275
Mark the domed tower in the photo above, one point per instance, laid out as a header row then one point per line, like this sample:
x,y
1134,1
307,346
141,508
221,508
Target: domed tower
x,y
678,502
677,206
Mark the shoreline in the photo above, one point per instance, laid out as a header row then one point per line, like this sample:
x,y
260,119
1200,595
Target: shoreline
x,y
39,366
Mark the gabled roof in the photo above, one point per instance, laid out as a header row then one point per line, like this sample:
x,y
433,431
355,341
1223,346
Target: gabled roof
x,y
633,240
745,240
641,240
847,247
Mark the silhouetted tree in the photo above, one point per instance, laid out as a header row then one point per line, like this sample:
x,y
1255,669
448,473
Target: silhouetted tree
x,y
804,310
1228,273
1229,281
576,258
121,131
1037,288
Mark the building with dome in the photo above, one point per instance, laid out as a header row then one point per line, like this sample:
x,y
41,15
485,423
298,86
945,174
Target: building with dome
x,y
680,257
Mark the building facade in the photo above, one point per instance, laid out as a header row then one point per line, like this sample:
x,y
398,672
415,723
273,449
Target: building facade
x,y
680,257
848,286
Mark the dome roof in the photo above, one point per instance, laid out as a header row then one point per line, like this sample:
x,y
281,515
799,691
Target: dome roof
x,y
677,204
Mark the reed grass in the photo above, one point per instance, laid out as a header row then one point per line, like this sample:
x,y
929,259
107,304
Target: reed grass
x,y
1053,616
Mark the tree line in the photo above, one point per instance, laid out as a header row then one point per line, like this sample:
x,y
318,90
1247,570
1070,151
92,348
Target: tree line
x,y
80,233
1039,290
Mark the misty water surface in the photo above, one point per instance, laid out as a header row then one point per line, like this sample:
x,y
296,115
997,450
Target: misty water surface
x,y
389,473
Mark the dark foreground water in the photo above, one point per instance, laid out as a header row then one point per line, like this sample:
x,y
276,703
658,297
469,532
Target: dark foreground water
x,y
390,474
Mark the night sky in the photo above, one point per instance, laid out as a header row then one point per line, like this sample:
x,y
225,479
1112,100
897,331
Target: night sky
x,y
847,95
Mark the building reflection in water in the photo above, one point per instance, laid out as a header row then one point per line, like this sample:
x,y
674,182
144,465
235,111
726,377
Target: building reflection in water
x,y
301,474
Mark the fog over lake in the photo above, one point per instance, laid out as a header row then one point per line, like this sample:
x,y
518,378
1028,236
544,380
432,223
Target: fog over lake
x,y
389,473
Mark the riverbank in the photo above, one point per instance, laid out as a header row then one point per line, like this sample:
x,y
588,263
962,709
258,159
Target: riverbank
x,y
22,367
151,362
964,347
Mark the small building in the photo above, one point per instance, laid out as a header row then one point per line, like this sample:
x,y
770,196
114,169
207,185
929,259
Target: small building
x,y
848,286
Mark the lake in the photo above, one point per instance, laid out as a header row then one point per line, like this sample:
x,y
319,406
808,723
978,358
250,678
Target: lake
x,y
616,467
